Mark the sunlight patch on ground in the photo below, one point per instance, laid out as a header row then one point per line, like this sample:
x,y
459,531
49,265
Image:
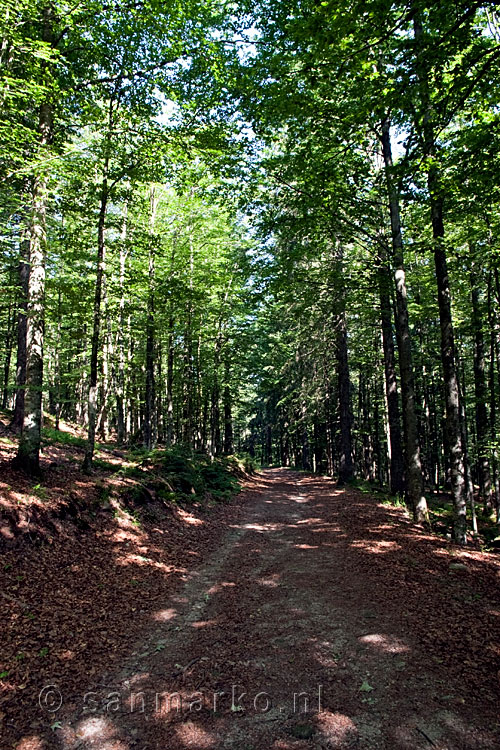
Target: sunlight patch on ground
x,y
133,559
204,623
386,643
338,730
31,743
306,546
262,527
189,518
164,615
95,727
121,535
218,587
324,653
326,529
376,548
194,736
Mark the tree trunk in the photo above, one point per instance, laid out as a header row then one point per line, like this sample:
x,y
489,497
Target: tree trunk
x,y
9,340
121,434
22,324
216,443
150,425
170,378
345,413
448,356
28,456
480,392
396,469
96,328
413,466
449,363
494,357
228,416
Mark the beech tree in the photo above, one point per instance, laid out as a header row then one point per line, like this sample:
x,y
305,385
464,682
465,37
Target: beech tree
x,y
258,226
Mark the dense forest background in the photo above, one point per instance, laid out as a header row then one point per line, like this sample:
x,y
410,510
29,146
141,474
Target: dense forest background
x,y
258,227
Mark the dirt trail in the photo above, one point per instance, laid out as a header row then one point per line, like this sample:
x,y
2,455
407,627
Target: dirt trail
x,y
322,620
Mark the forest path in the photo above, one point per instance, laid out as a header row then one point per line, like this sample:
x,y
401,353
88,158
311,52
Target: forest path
x,y
316,591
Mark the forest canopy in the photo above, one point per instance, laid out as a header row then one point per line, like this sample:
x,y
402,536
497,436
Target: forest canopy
x,y
266,228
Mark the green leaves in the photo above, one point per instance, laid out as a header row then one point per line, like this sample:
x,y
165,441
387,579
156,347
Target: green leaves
x,y
365,687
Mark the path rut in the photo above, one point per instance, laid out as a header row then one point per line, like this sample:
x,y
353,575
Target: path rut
x,y
302,630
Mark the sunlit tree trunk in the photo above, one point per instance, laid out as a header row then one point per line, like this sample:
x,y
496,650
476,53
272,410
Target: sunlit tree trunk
x,y
187,407
28,455
150,424
121,434
96,328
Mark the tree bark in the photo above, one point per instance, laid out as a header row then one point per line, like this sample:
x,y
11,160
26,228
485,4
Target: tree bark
x,y
228,415
121,433
345,412
96,328
480,393
448,356
9,340
22,325
396,465
448,360
150,424
28,455
413,465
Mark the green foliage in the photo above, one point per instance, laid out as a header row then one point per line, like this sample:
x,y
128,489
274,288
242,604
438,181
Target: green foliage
x,y
194,475
52,436
40,492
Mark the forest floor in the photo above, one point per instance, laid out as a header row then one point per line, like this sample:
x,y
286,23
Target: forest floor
x,y
299,615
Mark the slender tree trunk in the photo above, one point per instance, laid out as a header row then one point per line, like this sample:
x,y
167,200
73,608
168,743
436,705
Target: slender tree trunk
x,y
160,421
215,432
9,340
22,324
187,412
413,466
216,443
268,444
170,378
150,425
494,357
397,484
58,363
480,392
464,426
448,360
102,421
345,412
96,328
228,415
121,434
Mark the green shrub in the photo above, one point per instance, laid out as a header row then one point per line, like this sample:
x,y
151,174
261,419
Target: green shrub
x,y
50,435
